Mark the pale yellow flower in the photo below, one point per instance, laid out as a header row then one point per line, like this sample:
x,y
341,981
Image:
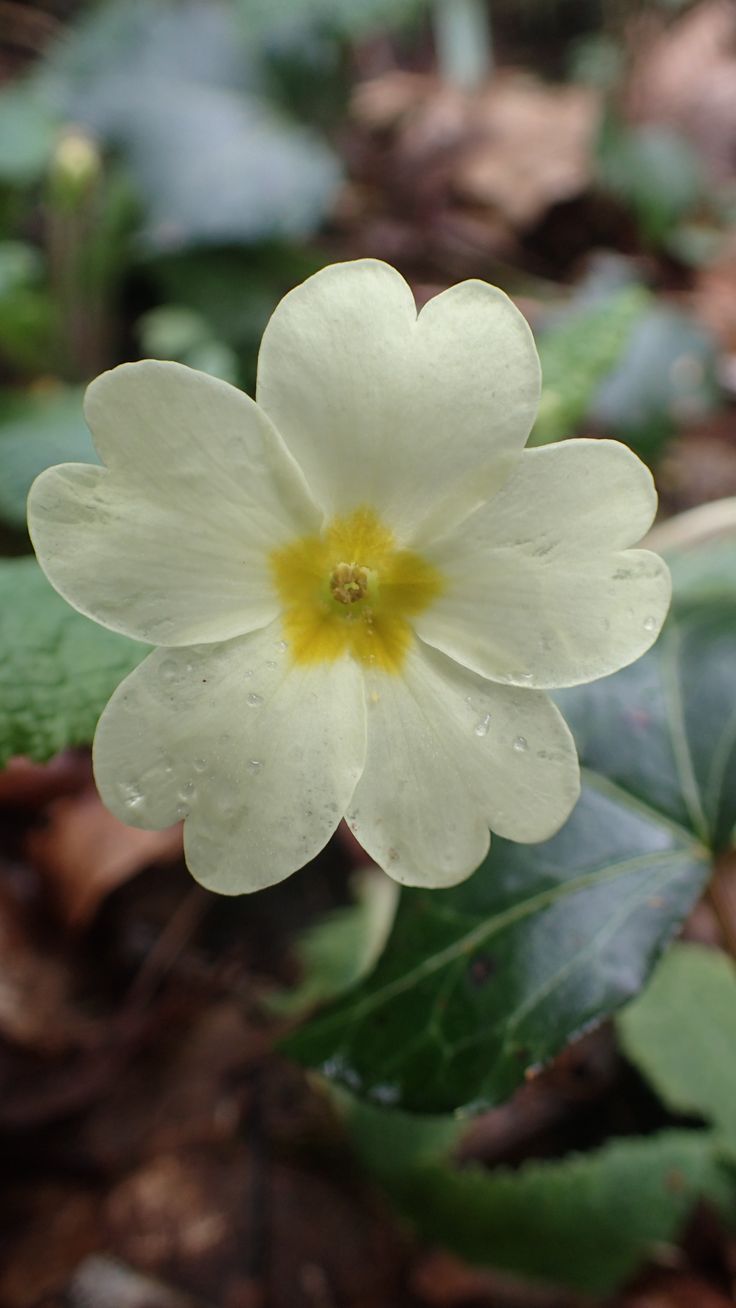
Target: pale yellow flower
x,y
362,582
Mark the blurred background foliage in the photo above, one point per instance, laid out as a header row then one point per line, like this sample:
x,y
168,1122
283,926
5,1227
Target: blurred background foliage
x,y
168,170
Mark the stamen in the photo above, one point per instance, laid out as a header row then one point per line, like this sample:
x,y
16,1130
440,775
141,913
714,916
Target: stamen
x,y
349,582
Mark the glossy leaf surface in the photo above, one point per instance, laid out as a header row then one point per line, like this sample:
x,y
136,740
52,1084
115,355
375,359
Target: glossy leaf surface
x,y
481,982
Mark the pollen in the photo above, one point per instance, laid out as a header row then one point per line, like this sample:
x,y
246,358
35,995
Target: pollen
x,y
332,607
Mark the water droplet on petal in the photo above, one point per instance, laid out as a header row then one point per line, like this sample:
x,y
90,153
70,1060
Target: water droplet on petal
x,y
200,764
282,645
271,664
248,672
650,624
481,727
254,700
181,811
133,797
521,744
255,765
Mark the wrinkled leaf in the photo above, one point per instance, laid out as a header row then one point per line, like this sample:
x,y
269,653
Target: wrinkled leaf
x,y
681,1034
37,430
58,669
482,981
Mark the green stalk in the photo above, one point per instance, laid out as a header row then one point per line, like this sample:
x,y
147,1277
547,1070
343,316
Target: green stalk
x,y
463,42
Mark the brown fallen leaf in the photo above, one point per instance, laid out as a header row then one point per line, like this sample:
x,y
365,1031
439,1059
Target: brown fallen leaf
x,y
177,1210
31,785
191,1094
701,465
53,1226
443,1281
84,853
683,75
677,1290
533,147
515,148
35,1008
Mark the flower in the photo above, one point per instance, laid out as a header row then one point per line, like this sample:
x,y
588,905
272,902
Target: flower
x,y
362,584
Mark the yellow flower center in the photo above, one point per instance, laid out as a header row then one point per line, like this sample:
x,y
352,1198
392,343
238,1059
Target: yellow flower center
x,y
332,607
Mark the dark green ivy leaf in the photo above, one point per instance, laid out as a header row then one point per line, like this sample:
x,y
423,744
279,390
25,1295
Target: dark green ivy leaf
x,y
480,982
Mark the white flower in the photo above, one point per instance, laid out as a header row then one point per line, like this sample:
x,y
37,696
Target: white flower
x,y
362,582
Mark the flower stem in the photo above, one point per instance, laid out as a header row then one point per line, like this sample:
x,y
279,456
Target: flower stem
x,y
463,42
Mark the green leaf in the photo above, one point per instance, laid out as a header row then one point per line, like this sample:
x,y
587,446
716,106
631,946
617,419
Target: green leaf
x,y
234,290
704,574
681,1034
654,171
577,352
665,376
28,130
391,1144
664,730
339,951
29,315
480,982
37,430
187,144
57,669
346,18
21,265
587,1221
211,160
174,331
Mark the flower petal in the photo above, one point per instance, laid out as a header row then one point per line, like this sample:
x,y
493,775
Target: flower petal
x,y
383,409
450,754
169,542
538,589
259,754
